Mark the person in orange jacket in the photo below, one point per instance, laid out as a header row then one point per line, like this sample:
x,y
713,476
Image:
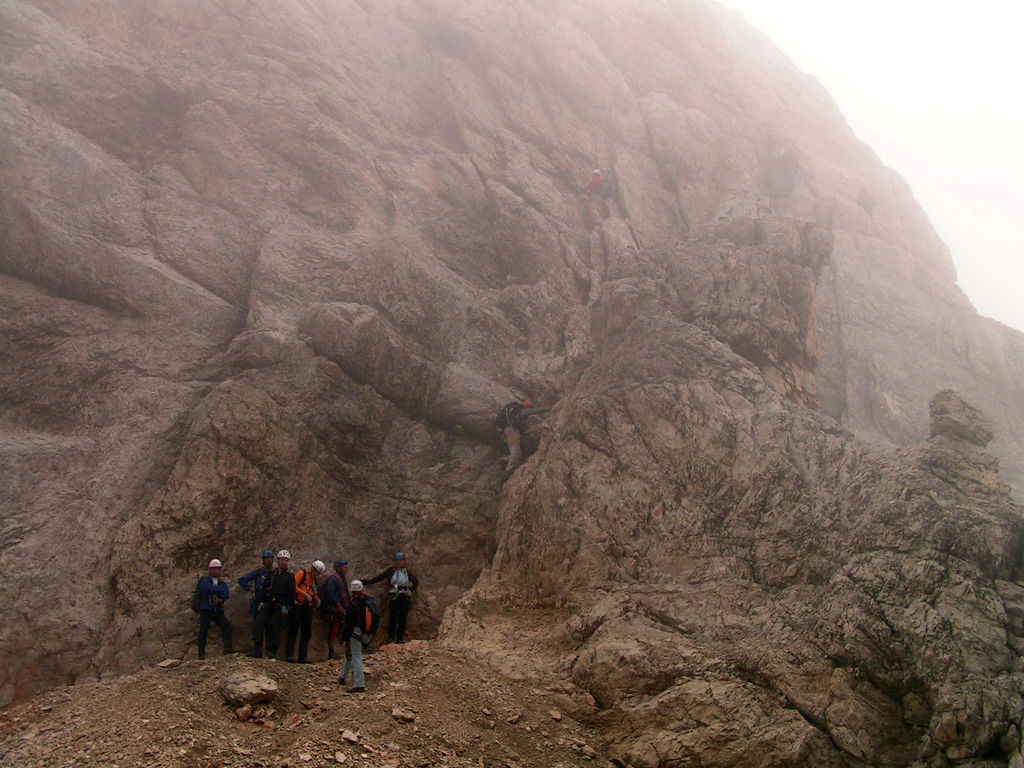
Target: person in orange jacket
x,y
307,598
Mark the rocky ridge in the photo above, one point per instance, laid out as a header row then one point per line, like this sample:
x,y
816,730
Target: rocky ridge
x,y
268,271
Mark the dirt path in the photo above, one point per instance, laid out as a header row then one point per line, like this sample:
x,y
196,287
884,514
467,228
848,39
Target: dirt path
x,y
463,714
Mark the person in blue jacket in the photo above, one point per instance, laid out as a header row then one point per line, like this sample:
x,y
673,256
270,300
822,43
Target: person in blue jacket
x,y
253,582
213,593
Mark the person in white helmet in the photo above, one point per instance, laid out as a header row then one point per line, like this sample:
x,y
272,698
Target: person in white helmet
x,y
213,593
596,180
276,599
307,598
361,619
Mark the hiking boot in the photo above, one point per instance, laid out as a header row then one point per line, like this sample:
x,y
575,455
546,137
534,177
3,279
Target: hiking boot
x,y
202,655
304,661
358,690
289,659
257,654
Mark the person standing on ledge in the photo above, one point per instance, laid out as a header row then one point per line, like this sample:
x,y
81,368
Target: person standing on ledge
x,y
253,582
401,584
300,621
360,625
338,598
213,593
276,599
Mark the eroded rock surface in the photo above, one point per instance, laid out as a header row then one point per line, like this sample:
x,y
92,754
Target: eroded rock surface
x,y
268,271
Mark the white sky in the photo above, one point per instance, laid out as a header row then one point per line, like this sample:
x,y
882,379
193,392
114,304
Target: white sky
x,y
937,90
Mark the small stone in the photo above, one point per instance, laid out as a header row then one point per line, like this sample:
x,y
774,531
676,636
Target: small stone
x,y
305,757
169,663
244,712
339,757
555,715
589,751
402,715
514,718
350,737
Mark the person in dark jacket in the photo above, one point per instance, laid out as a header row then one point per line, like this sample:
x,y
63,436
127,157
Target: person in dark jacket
x,y
276,599
401,584
337,600
510,422
213,593
356,636
253,582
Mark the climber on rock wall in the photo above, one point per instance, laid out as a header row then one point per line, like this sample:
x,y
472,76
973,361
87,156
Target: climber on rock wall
x,y
596,181
510,422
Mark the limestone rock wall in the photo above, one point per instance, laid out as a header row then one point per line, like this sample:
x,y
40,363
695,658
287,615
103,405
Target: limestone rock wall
x,y
269,270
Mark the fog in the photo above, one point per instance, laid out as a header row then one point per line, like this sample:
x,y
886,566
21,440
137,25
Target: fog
x,y
936,94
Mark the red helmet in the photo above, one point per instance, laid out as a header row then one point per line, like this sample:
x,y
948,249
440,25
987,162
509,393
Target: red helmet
x,y
527,404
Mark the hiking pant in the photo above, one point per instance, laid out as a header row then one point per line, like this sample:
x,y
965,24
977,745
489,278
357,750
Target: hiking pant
x,y
398,608
299,618
268,625
218,618
335,619
354,662
515,447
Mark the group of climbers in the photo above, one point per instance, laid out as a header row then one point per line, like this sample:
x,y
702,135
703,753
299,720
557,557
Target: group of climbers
x,y
282,599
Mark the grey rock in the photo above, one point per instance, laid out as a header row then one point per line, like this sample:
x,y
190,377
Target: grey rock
x,y
242,688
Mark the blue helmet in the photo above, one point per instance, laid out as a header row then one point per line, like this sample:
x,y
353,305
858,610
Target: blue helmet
x,y
399,555
268,553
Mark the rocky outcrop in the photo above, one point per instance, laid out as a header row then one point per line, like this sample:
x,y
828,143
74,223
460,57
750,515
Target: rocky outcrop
x,y
269,270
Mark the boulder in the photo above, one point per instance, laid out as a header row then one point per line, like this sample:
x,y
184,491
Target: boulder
x,y
244,688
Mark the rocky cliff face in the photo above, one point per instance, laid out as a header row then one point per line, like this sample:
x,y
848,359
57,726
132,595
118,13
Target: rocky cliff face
x,y
270,269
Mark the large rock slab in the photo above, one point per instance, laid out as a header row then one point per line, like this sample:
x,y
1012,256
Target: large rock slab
x,y
244,688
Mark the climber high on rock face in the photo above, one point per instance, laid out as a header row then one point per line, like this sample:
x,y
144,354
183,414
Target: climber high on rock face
x,y
510,422
596,180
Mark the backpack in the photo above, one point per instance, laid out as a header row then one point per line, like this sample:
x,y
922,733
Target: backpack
x,y
367,619
507,415
196,598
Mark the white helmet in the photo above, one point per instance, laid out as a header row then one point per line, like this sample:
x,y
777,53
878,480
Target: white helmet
x,y
596,172
285,554
319,567
215,563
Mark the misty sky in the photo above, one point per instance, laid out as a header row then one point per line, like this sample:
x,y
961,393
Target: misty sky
x,y
936,90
